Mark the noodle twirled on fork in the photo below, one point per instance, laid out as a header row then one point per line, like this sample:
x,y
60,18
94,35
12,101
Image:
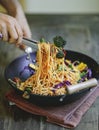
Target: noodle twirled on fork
x,y
54,72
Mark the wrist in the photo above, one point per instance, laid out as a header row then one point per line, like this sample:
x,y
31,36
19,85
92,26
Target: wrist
x,y
14,11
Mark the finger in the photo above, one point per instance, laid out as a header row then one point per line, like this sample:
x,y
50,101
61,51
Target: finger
x,y
1,36
19,32
19,40
26,32
15,32
4,32
12,33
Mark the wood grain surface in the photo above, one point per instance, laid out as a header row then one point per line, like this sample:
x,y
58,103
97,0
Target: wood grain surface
x,y
82,34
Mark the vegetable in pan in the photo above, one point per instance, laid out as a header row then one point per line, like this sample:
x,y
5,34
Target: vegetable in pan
x,y
53,71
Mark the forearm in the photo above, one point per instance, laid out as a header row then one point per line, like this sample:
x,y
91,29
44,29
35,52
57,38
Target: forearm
x,y
13,7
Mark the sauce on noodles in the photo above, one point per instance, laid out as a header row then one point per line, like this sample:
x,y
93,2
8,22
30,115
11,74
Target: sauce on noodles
x,y
53,74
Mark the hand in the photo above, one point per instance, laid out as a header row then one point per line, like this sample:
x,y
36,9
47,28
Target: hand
x,y
15,23
20,17
10,29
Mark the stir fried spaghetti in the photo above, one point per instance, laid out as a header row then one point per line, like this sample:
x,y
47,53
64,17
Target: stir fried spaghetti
x,y
53,73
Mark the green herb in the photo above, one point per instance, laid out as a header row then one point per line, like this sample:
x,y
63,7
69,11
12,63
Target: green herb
x,y
70,65
60,54
82,74
60,67
59,41
42,40
28,89
26,95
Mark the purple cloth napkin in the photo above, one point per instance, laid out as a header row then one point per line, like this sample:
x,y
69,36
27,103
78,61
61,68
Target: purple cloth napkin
x,y
68,115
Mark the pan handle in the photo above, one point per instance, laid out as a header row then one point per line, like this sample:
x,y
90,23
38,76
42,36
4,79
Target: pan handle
x,y
71,89
83,85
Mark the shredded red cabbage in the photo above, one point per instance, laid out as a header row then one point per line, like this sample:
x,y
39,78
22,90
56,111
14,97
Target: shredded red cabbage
x,y
89,73
57,86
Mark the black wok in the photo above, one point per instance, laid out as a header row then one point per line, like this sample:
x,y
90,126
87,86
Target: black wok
x,y
19,68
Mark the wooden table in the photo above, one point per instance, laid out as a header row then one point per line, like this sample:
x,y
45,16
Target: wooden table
x,y
82,35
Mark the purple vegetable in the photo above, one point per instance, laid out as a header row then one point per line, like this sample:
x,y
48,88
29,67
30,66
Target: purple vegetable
x,y
88,76
89,73
27,68
82,80
67,83
57,86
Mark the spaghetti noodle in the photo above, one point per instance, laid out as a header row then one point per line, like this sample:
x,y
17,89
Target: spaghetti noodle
x,y
53,74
